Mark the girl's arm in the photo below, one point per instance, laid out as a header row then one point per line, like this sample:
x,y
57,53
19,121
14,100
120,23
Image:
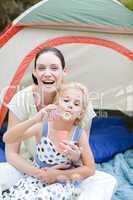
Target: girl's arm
x,y
73,151
12,152
12,149
26,129
86,170
22,131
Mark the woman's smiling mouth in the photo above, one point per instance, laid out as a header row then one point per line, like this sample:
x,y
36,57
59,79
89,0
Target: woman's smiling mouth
x,y
48,82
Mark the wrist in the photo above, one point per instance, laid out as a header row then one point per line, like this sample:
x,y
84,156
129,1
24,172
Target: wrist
x,y
33,120
35,171
62,176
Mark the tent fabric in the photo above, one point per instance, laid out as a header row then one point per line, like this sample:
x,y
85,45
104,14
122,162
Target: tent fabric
x,y
11,31
95,13
82,16
55,42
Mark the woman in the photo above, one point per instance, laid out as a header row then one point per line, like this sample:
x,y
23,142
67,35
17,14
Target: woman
x,y
48,74
49,127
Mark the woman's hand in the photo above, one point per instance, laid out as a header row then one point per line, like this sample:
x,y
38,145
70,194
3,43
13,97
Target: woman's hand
x,y
72,151
52,174
47,175
61,166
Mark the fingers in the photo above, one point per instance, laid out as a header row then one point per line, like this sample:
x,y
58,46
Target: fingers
x,y
49,112
39,176
42,175
68,144
74,147
44,115
64,146
72,151
52,114
61,166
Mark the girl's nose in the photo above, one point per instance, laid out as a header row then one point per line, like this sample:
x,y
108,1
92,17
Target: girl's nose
x,y
70,106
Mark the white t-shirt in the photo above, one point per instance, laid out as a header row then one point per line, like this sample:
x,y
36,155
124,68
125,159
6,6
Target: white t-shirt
x,y
23,106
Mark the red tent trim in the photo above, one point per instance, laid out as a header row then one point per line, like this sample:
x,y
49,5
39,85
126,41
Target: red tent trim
x,y
9,33
13,29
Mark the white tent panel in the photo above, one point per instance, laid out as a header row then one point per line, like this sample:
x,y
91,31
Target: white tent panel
x,y
103,70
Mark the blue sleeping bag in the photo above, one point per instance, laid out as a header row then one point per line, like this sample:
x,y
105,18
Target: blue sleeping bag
x,y
2,155
2,146
108,137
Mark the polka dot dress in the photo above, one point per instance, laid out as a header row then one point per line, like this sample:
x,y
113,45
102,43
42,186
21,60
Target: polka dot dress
x,y
30,188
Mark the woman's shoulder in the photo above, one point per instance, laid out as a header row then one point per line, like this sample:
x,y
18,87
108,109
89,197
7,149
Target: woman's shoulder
x,y
22,94
22,103
25,90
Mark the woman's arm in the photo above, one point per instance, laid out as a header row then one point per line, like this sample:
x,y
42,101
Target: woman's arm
x,y
88,128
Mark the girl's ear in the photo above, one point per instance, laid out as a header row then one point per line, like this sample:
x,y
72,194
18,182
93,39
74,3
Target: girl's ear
x,y
79,118
81,115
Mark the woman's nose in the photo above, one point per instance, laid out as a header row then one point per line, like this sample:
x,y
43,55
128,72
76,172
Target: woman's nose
x,y
47,73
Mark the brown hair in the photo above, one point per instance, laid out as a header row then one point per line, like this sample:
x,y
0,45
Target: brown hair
x,y
56,52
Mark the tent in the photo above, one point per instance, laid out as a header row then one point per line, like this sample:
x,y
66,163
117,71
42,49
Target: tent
x,y
96,38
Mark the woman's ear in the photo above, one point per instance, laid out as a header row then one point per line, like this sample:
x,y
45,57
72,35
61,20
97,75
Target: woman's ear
x,y
65,71
34,72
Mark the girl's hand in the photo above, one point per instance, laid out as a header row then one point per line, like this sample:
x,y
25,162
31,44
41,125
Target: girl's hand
x,y
51,111
48,113
72,151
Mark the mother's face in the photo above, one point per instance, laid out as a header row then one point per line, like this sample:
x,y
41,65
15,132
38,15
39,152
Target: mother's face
x,y
49,72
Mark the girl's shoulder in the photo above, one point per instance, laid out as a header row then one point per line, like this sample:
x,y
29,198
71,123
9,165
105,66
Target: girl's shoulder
x,y
77,133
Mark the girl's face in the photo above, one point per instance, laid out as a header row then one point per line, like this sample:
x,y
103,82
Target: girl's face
x,y
71,102
49,72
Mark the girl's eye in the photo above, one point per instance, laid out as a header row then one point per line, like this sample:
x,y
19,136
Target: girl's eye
x,y
66,100
77,104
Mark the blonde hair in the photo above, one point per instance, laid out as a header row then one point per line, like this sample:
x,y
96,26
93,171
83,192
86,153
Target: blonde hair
x,y
85,95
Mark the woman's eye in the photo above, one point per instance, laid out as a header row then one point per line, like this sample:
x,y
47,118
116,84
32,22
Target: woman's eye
x,y
41,68
54,68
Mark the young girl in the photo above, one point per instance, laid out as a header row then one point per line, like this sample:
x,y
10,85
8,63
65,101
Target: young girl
x,y
59,120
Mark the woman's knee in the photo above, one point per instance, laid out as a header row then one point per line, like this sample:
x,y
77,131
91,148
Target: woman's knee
x,y
101,178
9,175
